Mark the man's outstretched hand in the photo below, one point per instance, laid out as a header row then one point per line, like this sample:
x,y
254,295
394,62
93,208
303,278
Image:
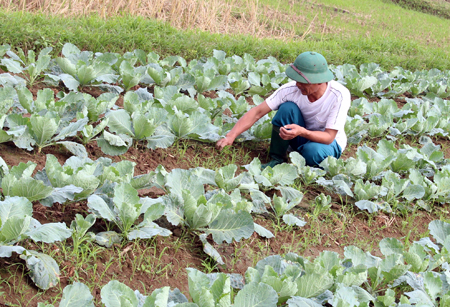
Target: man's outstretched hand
x,y
224,142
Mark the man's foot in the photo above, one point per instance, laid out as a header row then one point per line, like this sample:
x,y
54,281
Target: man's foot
x,y
272,163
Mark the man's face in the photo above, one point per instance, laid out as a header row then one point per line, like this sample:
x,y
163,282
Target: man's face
x,y
308,89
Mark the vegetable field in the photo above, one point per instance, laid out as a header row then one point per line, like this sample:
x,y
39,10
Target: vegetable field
x,y
113,193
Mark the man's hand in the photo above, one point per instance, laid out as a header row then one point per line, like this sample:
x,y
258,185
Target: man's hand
x,y
289,132
226,141
243,124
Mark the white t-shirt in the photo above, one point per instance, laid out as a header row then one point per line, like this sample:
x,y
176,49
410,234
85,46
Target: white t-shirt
x,y
330,111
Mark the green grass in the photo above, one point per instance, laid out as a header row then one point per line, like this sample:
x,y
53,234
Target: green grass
x,y
393,45
439,8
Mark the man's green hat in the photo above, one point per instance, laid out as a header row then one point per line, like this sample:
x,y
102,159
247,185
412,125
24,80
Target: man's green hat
x,y
310,67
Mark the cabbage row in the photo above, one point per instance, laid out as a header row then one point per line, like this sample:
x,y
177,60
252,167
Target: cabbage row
x,y
206,202
174,99
356,279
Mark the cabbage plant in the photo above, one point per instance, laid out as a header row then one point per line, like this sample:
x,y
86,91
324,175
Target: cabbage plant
x,y
76,172
80,68
226,217
123,209
39,131
129,75
307,174
282,174
16,225
32,66
18,182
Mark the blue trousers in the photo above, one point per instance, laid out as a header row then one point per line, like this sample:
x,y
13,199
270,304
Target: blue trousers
x,y
314,153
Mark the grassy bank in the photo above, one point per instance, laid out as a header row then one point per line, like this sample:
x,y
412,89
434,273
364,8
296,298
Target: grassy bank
x,y
123,33
439,8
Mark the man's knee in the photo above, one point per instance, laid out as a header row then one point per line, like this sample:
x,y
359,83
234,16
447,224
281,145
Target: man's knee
x,y
288,113
288,106
312,158
315,153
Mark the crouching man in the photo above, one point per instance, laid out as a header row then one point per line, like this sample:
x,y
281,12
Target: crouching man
x,y
312,110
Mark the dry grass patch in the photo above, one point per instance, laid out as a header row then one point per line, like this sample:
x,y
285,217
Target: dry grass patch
x,y
215,16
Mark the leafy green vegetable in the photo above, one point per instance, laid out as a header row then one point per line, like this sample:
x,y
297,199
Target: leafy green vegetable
x,y
124,209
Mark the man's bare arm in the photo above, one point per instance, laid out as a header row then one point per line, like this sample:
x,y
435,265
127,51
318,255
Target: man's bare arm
x,y
243,124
